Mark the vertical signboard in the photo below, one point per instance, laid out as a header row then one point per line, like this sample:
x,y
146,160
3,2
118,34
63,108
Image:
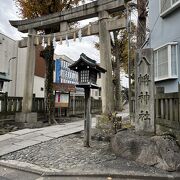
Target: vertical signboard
x,y
58,70
144,91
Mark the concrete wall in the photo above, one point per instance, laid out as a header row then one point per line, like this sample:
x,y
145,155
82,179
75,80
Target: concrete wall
x,y
164,30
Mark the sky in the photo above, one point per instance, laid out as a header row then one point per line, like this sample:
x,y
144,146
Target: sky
x,y
9,11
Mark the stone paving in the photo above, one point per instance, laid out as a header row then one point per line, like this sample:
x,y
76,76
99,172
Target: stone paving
x,y
63,153
21,139
68,154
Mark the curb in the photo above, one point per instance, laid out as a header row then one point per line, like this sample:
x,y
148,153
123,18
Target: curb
x,y
27,167
45,172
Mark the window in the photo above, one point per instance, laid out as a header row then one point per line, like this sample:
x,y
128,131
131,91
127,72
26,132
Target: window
x,y
84,76
167,6
165,62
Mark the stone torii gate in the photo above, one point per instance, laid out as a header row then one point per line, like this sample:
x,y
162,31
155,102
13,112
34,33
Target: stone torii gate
x,y
100,9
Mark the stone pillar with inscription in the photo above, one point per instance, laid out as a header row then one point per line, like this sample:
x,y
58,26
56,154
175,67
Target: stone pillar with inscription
x,y
144,108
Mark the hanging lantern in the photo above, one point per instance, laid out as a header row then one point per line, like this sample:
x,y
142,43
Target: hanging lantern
x,y
54,42
80,35
67,42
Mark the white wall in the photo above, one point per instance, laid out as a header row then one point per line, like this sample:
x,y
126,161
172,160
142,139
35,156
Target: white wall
x,y
38,86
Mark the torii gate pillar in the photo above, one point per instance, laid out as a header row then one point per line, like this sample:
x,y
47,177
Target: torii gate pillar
x,y
105,59
26,116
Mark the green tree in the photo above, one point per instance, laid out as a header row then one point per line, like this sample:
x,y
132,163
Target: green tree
x,y
35,8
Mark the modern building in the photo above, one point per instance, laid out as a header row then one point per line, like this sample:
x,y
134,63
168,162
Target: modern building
x,y
13,68
8,64
62,71
64,75
164,18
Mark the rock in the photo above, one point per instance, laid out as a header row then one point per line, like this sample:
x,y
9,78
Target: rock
x,y
178,168
126,144
169,152
148,154
159,151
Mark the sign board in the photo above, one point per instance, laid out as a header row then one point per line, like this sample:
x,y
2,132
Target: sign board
x,y
64,87
144,108
58,70
61,100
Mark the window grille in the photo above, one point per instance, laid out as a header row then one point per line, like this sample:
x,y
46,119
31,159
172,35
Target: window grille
x,y
84,76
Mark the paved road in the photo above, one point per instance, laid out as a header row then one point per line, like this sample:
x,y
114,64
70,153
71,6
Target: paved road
x,y
14,174
21,139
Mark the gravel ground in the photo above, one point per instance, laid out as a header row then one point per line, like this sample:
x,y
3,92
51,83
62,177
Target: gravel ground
x,y
67,153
